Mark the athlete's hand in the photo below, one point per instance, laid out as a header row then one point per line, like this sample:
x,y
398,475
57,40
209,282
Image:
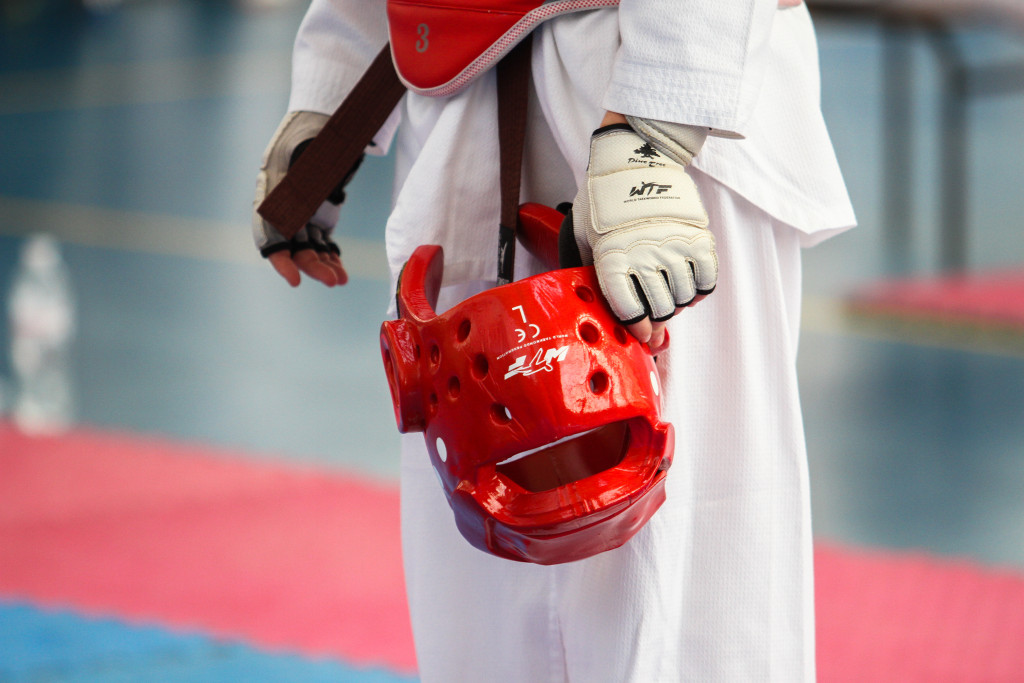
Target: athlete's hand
x,y
640,221
312,250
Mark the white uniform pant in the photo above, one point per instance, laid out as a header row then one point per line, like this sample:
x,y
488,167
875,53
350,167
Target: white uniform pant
x,y
718,585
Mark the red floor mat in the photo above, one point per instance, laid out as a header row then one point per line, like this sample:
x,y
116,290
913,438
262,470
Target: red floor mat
x,y
310,562
914,619
197,538
989,303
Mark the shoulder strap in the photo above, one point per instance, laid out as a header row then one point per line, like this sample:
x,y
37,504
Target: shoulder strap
x,y
335,150
513,95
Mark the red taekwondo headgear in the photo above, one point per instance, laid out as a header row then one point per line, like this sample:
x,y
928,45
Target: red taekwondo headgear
x,y
541,413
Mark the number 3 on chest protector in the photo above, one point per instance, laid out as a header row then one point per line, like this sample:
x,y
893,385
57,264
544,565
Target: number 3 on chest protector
x,y
440,46
422,43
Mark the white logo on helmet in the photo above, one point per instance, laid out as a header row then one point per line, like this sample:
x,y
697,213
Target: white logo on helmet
x,y
542,361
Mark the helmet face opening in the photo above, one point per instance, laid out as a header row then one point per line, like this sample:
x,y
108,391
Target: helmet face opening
x,y
568,460
541,414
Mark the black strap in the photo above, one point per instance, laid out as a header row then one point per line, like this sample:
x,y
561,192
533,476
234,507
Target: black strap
x,y
336,149
513,94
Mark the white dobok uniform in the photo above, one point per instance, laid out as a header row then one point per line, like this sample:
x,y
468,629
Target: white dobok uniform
x,y
718,585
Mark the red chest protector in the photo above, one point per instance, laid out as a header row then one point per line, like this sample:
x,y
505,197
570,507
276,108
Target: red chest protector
x,y
439,46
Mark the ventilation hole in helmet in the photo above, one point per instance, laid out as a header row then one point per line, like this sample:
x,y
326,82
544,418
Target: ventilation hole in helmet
x,y
621,335
589,333
500,414
599,382
463,332
416,351
435,355
480,366
454,387
442,450
433,403
585,293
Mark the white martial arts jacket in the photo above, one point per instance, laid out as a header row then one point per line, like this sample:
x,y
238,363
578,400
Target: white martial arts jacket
x,y
712,63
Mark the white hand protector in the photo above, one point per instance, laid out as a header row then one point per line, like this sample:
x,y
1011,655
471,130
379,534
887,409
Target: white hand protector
x,y
640,221
296,131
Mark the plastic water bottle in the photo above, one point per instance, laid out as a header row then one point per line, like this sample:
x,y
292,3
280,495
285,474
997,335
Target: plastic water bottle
x,y
42,324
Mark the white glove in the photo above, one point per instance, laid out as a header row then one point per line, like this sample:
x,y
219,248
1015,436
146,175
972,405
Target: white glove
x,y
640,221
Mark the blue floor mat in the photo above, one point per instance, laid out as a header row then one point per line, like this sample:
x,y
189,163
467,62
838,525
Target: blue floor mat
x,y
59,645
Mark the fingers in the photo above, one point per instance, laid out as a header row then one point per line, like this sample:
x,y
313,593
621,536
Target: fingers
x,y
333,262
286,268
705,270
323,267
642,330
684,287
652,330
654,334
310,263
659,339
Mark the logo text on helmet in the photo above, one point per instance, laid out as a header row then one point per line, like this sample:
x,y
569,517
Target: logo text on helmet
x,y
542,361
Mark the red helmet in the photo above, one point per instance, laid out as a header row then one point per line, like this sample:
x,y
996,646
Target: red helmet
x,y
541,413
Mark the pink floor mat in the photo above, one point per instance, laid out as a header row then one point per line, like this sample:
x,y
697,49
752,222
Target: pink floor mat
x,y
903,618
309,561
985,303
188,537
